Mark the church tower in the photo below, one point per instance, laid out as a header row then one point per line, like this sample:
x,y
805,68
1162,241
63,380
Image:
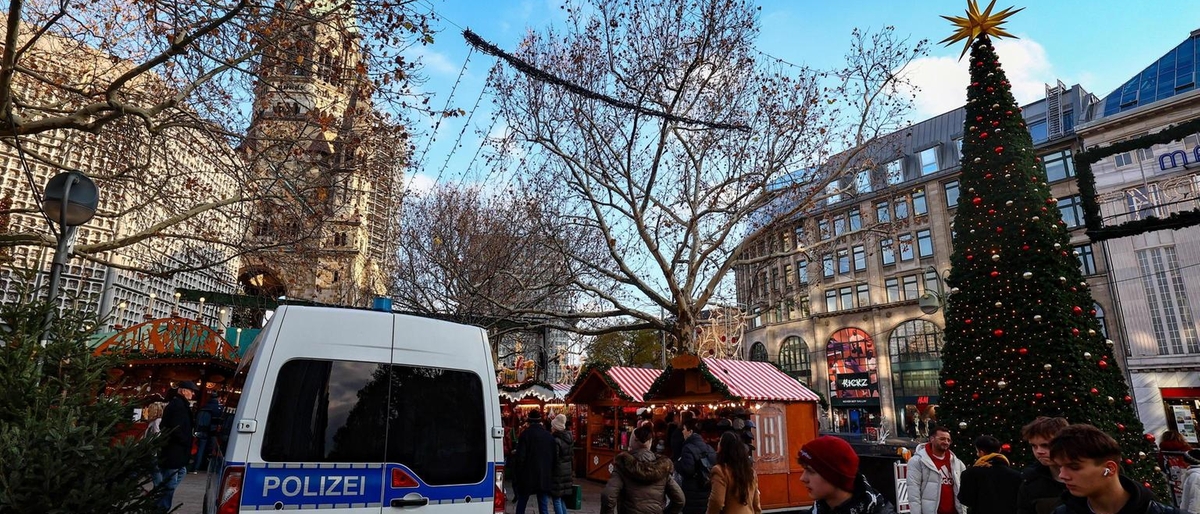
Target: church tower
x,y
328,164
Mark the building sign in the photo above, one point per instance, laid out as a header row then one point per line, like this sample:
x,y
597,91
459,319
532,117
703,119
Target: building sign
x,y
851,381
1177,158
854,402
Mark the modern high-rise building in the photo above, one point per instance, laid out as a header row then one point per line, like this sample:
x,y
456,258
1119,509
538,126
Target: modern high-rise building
x,y
1155,275
329,165
144,178
837,307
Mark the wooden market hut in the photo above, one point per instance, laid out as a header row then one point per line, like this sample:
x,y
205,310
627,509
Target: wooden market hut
x,y
783,410
606,400
517,400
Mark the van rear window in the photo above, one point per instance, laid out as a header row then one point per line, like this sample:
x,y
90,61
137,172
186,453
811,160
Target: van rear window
x,y
429,419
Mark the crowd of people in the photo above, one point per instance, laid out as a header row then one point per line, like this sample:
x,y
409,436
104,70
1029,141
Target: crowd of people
x,y
1077,471
191,440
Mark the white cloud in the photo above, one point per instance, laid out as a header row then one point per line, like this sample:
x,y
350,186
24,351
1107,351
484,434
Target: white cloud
x,y
419,183
943,81
435,63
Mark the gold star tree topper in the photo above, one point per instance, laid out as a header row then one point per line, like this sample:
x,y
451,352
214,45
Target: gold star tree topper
x,y
978,23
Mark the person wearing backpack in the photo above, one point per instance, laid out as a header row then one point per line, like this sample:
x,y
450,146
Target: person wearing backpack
x,y
694,465
208,422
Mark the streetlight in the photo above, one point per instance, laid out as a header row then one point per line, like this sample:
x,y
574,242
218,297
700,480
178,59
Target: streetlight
x,y
70,200
930,302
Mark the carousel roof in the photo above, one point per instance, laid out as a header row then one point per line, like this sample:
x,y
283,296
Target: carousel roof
x,y
170,338
536,390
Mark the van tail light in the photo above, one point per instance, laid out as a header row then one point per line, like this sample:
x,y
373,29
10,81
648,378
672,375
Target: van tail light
x,y
230,493
498,503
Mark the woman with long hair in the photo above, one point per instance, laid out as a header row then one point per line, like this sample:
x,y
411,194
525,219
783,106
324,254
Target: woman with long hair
x,y
734,485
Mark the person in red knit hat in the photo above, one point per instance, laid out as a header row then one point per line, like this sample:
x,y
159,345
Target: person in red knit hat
x,y
832,479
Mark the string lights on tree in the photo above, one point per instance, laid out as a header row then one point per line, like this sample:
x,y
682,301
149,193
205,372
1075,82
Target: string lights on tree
x,y
1022,339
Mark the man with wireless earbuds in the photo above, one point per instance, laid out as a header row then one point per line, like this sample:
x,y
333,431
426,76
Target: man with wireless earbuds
x,y
1088,461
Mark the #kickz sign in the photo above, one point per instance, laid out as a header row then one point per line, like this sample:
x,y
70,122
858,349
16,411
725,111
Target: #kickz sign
x,y
851,381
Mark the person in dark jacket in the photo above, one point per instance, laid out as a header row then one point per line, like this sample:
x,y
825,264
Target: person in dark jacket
x,y
641,481
1040,491
833,481
675,439
562,484
177,425
989,486
694,456
535,464
208,424
1089,465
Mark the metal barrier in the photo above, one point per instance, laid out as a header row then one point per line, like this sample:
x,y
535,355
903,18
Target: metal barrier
x,y
886,474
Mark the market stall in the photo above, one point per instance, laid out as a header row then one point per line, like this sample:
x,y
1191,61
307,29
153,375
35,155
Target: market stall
x,y
607,400
783,412
518,400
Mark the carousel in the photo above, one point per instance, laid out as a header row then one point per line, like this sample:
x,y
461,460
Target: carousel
x,y
160,353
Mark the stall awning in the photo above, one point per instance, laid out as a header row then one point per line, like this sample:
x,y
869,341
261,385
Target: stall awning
x,y
540,391
634,381
754,380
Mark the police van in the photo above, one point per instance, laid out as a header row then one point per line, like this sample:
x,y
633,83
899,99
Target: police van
x,y
359,411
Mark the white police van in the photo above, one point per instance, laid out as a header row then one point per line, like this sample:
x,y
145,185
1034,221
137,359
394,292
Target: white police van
x,y
359,411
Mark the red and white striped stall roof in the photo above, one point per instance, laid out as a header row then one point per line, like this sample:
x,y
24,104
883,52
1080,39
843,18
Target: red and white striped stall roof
x,y
561,390
754,380
634,382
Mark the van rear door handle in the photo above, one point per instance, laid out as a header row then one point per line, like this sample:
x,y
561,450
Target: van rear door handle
x,y
410,502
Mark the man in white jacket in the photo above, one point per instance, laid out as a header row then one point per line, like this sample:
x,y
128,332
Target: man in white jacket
x,y
1191,482
933,476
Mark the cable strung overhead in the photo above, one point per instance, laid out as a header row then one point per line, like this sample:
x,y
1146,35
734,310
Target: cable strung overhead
x,y
538,74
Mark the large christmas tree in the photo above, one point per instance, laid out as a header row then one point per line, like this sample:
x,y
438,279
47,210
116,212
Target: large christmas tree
x,y
1022,339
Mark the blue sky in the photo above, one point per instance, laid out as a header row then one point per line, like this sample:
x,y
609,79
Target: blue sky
x,y
1098,43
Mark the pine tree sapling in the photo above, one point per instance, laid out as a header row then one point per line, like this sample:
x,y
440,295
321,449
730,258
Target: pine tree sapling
x,y
1022,339
59,444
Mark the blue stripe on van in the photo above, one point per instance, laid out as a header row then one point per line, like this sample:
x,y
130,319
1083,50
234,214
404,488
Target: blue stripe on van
x,y
299,485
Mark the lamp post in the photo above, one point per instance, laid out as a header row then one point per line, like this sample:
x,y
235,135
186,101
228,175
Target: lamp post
x,y
70,200
930,302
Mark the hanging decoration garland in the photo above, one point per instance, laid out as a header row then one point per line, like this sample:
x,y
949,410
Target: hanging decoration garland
x,y
1087,186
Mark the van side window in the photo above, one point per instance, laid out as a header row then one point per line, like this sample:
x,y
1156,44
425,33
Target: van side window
x,y
327,411
339,411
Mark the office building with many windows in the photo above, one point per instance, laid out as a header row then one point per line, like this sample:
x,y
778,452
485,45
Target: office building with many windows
x,y
837,304
1155,275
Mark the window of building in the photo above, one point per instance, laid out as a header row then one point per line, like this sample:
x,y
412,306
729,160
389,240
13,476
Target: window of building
x,y
789,309
860,258
924,243
793,358
805,307
1100,319
958,147
789,277
881,212
839,225
774,280
892,286
847,297
758,352
1071,208
918,199
909,287
900,207
833,193
823,229
827,265
862,181
1123,159
802,271
895,172
951,193
1059,165
855,219
906,247
831,300
916,340
843,258
862,293
929,161
798,235
1170,309
1038,130
1087,261
931,281
887,251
